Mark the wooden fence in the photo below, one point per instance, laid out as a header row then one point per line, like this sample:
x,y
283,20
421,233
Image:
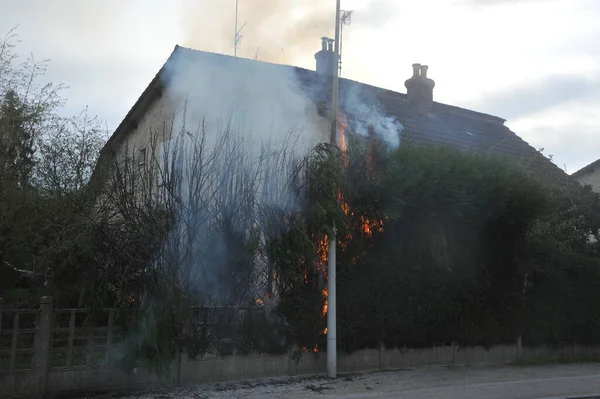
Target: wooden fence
x,y
39,347
37,341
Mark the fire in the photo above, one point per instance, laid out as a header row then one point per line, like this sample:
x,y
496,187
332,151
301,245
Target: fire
x,y
369,226
345,206
322,254
260,302
305,349
342,126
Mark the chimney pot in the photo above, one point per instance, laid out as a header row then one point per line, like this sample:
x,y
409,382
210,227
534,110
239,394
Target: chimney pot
x,y
324,43
416,69
424,70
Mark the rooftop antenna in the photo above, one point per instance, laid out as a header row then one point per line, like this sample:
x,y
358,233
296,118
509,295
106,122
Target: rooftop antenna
x,y
345,19
237,37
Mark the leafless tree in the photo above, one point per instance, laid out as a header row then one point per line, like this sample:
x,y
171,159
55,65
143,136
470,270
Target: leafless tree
x,y
198,218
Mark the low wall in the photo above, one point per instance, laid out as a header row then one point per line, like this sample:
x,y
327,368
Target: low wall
x,y
44,351
260,366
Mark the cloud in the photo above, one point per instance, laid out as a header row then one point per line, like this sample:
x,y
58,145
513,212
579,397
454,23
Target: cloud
x,y
571,146
537,96
557,113
568,132
105,51
502,2
108,51
377,13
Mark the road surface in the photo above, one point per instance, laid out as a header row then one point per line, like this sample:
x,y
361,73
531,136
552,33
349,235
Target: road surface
x,y
509,382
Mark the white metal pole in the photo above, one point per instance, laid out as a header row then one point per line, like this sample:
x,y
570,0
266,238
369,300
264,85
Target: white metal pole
x,y
331,267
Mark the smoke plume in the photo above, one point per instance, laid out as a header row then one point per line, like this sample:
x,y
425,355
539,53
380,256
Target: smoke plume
x,y
283,31
226,188
237,126
263,102
368,116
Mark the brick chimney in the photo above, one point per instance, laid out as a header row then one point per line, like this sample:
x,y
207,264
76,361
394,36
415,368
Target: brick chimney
x,y
419,89
326,57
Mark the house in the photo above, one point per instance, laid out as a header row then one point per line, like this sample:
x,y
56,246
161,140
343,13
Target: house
x,y
589,175
205,82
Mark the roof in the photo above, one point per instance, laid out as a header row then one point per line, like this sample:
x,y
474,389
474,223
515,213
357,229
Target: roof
x,y
446,125
586,169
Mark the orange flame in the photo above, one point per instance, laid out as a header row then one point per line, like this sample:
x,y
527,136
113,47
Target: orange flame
x,y
325,302
344,204
260,302
342,126
305,349
370,226
322,254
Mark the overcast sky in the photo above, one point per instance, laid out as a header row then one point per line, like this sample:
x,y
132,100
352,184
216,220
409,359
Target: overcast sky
x,y
535,63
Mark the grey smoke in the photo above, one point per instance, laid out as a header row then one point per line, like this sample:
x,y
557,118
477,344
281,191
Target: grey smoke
x,y
368,114
262,100
253,120
238,127
283,31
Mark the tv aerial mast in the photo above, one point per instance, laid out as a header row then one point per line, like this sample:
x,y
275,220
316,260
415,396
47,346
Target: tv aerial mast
x,y
237,37
345,19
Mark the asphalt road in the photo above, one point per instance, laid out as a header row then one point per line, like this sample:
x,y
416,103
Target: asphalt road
x,y
491,382
566,387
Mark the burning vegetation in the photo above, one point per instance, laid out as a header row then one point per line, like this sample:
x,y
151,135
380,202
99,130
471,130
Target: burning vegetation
x,y
354,223
396,258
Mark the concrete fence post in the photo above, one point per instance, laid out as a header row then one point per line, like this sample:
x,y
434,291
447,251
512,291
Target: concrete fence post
x,y
454,348
520,347
1,307
43,342
292,358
